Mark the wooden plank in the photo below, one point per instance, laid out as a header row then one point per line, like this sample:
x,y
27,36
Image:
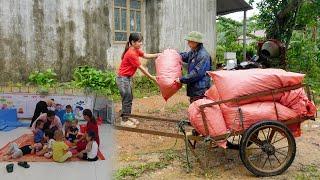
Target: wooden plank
x,y
147,131
151,118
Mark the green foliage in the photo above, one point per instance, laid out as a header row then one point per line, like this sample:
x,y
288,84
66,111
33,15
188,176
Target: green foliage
x,y
304,48
97,80
304,56
127,171
309,13
227,38
136,171
221,49
93,80
279,18
46,78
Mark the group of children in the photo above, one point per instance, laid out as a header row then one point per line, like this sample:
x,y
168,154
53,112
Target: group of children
x,y
59,145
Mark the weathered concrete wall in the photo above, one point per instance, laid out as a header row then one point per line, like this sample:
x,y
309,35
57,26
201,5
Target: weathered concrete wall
x,y
153,27
168,22
179,17
59,34
63,34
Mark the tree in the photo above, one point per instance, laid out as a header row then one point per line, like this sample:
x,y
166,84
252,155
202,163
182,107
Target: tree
x,y
228,32
281,17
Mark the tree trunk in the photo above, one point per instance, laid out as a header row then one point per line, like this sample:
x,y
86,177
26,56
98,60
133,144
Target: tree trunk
x,y
284,23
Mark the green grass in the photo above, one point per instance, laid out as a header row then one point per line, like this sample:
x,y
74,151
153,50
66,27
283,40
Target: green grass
x,y
177,107
212,174
132,172
136,171
308,172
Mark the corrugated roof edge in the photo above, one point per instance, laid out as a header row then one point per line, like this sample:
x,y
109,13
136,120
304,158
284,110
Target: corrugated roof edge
x,y
230,6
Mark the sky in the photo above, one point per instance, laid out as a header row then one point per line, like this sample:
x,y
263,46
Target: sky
x,y
238,16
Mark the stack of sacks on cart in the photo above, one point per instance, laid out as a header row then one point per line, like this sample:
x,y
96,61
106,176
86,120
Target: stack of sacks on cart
x,y
224,118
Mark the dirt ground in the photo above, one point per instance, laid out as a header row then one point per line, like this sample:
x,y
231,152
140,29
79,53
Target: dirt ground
x,y
142,156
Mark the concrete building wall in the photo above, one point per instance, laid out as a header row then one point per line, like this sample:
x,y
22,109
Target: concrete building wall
x,y
58,34
63,34
179,17
168,22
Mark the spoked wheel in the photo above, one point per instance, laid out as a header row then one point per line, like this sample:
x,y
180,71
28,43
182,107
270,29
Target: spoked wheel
x,y
233,142
273,149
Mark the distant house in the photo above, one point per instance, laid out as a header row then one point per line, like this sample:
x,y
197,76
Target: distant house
x,y
249,37
38,34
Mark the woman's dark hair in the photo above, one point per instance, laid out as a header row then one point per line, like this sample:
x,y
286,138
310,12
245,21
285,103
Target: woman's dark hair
x,y
88,112
92,135
133,37
49,133
50,113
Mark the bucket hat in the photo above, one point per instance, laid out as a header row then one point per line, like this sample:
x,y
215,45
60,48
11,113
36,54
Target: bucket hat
x,y
194,36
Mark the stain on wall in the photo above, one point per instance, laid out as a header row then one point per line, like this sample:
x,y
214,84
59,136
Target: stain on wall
x,y
38,24
153,27
2,58
97,40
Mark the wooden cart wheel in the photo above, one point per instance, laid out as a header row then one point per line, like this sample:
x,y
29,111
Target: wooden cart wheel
x,y
273,149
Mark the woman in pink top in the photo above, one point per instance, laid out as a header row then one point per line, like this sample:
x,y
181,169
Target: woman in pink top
x,y
51,121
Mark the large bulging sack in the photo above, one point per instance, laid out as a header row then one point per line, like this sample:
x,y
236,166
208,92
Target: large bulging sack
x,y
168,69
213,116
253,113
232,84
298,101
212,93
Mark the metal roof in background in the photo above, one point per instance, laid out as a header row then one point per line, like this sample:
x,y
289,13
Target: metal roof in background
x,y
230,6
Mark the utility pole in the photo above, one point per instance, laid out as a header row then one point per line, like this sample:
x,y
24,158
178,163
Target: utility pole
x,y
244,34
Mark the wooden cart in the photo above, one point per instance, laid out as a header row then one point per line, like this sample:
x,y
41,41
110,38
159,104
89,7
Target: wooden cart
x,y
266,148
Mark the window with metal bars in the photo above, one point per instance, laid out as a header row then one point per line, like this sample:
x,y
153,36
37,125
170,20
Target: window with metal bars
x,y
127,18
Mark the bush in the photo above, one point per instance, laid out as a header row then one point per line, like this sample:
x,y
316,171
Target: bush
x,y
92,79
304,57
46,78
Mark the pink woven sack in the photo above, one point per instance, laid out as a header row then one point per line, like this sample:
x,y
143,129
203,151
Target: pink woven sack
x,y
231,84
213,116
168,69
253,113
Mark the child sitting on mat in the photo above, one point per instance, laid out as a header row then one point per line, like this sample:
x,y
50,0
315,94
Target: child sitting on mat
x,y
91,151
72,132
91,126
59,148
68,118
38,136
15,152
47,148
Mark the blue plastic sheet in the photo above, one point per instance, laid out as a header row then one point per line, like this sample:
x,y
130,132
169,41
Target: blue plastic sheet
x,y
9,120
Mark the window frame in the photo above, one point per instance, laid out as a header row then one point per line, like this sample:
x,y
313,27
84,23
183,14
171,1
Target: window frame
x,y
128,25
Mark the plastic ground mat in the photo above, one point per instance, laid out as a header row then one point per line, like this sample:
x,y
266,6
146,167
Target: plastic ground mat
x,y
28,139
